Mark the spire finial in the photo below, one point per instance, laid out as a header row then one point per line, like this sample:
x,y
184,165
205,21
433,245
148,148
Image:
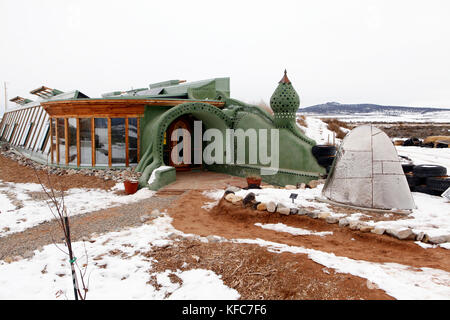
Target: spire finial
x,y
285,79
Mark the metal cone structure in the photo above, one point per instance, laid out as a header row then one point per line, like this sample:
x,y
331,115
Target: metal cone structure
x,y
368,173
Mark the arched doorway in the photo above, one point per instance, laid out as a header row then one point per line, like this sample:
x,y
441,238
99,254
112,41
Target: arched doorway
x,y
179,144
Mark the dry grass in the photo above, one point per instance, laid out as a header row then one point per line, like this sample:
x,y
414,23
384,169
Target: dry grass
x,y
336,126
302,121
435,139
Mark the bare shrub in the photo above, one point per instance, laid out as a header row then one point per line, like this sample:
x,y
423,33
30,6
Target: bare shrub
x,y
302,121
336,126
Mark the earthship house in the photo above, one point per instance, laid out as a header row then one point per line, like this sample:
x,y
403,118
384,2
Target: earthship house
x,y
134,128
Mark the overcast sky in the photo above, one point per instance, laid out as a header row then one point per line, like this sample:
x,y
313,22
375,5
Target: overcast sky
x,y
385,52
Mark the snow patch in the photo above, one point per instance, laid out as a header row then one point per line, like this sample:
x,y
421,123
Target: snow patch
x,y
281,227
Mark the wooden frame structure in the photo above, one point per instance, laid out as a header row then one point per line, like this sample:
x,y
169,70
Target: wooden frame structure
x,y
55,150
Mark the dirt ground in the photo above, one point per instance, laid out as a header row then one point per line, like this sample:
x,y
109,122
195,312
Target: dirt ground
x,y
11,171
259,274
250,269
232,222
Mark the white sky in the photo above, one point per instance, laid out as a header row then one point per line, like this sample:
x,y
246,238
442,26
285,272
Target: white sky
x,y
386,52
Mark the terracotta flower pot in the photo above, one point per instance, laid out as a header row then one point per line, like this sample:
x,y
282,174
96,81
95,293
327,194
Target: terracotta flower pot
x,y
131,186
253,182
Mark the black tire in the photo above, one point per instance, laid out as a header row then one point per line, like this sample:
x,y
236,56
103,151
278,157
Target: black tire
x,y
414,181
438,183
429,170
319,151
325,161
442,145
428,145
412,142
407,167
427,190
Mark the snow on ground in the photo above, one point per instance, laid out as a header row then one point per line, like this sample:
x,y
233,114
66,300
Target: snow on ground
x,y
318,130
438,117
212,194
281,227
32,212
116,273
399,281
153,175
437,156
431,217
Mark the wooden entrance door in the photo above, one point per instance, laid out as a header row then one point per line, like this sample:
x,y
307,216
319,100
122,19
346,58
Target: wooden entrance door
x,y
177,154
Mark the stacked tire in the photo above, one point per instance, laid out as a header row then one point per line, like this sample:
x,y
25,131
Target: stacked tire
x,y
324,155
427,178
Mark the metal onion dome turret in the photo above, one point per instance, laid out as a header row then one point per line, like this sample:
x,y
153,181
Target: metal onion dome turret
x,y
284,102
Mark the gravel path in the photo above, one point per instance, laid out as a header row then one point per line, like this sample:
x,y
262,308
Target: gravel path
x,y
102,221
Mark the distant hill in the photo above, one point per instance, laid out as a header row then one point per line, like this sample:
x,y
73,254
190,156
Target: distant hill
x,y
340,108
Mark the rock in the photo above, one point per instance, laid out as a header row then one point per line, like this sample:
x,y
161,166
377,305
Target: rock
x,y
145,218
420,236
261,207
268,186
312,214
354,225
248,198
402,233
227,192
255,204
439,239
156,214
196,258
293,211
213,239
280,205
17,258
302,211
323,215
189,237
236,200
290,187
229,197
366,228
302,186
313,184
233,189
378,230
271,206
285,211
332,220
172,236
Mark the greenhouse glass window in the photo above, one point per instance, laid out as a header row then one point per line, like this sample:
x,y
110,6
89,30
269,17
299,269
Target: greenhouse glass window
x,y
118,151
101,141
62,140
72,143
132,140
85,142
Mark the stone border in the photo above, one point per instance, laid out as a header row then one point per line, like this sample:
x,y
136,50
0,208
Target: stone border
x,y
115,174
272,207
